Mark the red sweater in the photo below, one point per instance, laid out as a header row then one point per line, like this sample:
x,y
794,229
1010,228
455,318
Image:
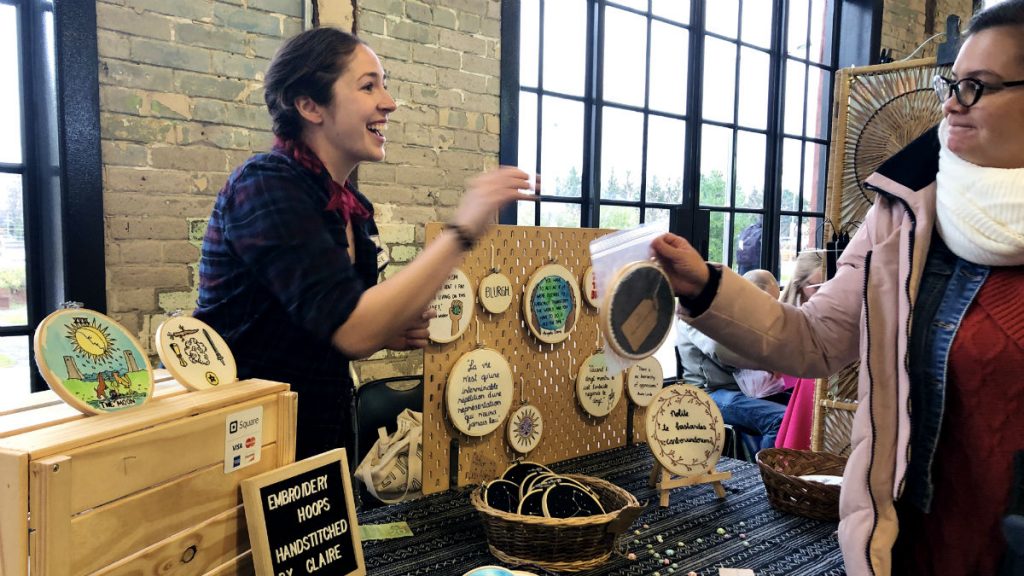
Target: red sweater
x,y
982,427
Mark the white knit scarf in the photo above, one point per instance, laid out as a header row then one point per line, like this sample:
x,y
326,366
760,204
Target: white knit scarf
x,y
980,211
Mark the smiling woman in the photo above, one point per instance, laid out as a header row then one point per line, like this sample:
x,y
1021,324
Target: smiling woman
x,y
292,255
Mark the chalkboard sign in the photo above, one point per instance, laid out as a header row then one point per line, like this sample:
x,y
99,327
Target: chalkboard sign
x,y
302,519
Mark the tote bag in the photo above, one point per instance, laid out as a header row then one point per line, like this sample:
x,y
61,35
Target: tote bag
x,y
393,470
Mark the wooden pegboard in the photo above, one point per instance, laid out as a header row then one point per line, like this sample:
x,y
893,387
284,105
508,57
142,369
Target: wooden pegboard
x,y
548,371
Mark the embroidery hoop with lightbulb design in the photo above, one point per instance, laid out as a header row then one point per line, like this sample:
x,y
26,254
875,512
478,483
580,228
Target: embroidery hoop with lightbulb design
x,y
454,304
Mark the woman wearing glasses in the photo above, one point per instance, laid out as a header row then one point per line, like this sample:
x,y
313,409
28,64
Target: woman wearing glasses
x,y
929,295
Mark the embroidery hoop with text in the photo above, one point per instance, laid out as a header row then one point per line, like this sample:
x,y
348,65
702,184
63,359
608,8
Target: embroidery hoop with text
x,y
454,304
456,390
546,277
685,409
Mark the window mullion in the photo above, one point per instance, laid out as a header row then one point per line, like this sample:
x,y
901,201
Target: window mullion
x,y
770,225
694,99
590,211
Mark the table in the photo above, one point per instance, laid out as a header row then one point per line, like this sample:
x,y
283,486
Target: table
x,y
449,538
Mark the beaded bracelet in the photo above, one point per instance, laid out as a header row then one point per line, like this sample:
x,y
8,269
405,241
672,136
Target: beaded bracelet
x,y
466,241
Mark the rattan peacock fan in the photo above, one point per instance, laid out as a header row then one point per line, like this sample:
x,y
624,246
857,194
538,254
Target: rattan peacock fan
x,y
879,110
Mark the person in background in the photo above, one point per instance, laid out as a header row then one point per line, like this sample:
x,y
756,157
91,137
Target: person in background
x,y
290,261
748,248
795,431
928,296
709,365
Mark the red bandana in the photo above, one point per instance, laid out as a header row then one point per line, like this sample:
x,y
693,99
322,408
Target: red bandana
x,y
342,197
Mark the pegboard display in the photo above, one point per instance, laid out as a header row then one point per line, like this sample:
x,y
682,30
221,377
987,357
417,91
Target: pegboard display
x,y
543,374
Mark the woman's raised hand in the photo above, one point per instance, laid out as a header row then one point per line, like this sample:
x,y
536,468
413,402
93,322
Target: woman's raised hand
x,y
488,192
684,266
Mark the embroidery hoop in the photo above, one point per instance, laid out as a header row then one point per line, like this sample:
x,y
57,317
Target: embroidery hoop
x,y
637,378
525,425
589,287
639,310
454,306
183,358
595,369
677,415
491,288
73,337
468,373
544,278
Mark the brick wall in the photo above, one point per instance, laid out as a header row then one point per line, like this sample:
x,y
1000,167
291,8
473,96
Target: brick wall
x,y
904,24
181,105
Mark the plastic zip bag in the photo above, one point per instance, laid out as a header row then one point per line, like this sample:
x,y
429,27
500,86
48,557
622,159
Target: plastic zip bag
x,y
609,254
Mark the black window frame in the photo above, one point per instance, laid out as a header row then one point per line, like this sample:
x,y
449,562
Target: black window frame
x,y
845,50
61,169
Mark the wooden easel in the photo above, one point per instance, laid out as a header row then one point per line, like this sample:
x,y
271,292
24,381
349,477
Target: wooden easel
x,y
665,481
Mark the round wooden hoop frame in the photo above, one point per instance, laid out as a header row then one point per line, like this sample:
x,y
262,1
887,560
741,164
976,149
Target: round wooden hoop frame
x,y
638,310
77,338
547,335
194,353
676,420
458,305
470,369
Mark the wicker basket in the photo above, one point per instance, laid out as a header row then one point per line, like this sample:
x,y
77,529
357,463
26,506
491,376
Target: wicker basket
x,y
561,544
780,470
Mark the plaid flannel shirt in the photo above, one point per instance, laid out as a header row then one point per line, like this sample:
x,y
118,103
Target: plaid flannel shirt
x,y
276,281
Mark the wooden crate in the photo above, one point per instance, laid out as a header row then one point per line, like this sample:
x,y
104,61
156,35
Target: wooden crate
x,y
135,492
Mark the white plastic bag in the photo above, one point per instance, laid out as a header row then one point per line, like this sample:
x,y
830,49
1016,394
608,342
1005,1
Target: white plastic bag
x,y
759,383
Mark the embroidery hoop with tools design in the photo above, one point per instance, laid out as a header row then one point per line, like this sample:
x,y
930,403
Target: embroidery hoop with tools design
x,y
194,353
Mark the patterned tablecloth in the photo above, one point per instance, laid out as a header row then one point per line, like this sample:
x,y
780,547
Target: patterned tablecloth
x,y
449,538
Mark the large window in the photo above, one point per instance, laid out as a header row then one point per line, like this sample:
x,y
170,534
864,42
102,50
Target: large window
x,y
632,108
51,216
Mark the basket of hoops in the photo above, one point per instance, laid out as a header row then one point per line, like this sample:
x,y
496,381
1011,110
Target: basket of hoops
x,y
568,522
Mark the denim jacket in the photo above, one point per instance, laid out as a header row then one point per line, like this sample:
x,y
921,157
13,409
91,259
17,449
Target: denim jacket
x,y
948,286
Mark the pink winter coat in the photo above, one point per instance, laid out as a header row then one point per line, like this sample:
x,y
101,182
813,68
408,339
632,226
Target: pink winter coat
x,y
864,311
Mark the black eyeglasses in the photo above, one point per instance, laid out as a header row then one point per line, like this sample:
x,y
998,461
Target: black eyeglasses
x,y
968,90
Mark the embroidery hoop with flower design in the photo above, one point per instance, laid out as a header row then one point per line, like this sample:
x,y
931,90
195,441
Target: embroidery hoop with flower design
x,y
525,425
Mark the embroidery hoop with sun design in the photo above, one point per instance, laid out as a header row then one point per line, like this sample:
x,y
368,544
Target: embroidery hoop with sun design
x,y
92,362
